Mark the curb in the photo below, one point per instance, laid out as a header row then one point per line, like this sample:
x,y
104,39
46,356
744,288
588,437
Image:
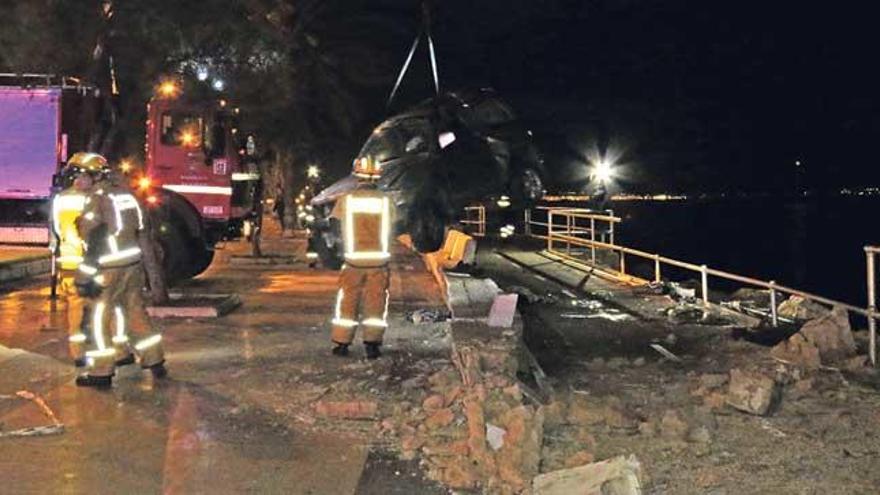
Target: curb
x,y
25,268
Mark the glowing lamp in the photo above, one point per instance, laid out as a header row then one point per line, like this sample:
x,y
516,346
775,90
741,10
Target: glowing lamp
x,y
602,171
144,183
313,171
169,89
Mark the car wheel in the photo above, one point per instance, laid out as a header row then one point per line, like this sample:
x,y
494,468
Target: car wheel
x,y
426,222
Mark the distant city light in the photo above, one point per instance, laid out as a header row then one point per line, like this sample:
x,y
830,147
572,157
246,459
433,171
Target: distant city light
x,y
202,74
313,172
218,84
503,202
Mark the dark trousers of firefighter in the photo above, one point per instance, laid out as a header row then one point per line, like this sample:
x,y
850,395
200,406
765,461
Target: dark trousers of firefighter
x,y
76,309
120,306
362,300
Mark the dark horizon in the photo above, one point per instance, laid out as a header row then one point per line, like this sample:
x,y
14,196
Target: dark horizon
x,y
700,98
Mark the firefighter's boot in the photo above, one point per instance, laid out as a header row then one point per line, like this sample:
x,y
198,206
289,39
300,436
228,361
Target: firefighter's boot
x,y
340,350
87,380
372,349
159,371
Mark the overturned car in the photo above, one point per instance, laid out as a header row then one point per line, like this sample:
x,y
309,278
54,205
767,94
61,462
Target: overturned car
x,y
436,158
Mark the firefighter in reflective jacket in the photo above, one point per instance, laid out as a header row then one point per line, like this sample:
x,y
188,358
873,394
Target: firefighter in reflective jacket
x,y
112,272
67,206
365,215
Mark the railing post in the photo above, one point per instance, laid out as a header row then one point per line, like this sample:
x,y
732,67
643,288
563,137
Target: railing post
x,y
550,231
527,218
611,228
622,262
568,234
593,239
704,272
872,306
774,318
657,277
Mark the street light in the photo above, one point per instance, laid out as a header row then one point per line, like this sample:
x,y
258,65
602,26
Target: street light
x,y
218,84
603,170
313,172
202,74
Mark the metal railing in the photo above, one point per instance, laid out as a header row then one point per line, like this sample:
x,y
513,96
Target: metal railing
x,y
870,253
476,216
581,221
566,233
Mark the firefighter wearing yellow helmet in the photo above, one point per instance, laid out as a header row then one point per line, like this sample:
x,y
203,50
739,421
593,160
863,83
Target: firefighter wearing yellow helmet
x,y
67,247
365,215
112,273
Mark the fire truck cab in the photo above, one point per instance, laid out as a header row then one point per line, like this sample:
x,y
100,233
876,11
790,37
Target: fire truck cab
x,y
198,180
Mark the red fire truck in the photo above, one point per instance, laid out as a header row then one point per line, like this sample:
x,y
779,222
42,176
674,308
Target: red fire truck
x,y
43,119
199,182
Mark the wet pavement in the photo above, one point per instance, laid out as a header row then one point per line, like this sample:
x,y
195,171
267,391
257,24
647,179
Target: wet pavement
x,y
236,414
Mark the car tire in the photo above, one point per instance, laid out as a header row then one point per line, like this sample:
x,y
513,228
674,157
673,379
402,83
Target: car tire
x,y
426,224
528,187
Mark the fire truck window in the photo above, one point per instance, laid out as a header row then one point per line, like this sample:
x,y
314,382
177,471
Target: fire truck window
x,y
179,129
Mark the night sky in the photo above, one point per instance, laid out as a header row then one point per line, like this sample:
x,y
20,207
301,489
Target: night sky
x,y
700,96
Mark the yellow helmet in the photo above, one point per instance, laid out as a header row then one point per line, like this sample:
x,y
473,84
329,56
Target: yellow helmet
x,y
88,162
366,167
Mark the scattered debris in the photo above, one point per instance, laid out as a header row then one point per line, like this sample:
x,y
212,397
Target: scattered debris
x,y
668,355
530,297
618,476
428,316
57,427
589,304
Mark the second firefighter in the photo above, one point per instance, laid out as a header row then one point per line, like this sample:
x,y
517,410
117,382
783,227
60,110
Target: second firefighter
x,y
366,219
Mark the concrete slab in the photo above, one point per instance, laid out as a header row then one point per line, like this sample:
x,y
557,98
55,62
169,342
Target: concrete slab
x,y
268,261
196,306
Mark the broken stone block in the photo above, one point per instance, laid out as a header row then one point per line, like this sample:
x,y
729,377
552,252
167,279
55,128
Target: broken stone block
x,y
826,340
672,426
434,402
751,392
440,419
520,456
798,308
798,351
699,434
832,335
617,476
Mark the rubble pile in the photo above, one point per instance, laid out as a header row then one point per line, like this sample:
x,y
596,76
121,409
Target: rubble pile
x,y
826,340
472,428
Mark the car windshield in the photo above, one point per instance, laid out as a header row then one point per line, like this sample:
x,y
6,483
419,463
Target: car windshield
x,y
396,139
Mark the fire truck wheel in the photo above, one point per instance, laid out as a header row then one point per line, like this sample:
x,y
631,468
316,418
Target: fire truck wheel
x,y
201,260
